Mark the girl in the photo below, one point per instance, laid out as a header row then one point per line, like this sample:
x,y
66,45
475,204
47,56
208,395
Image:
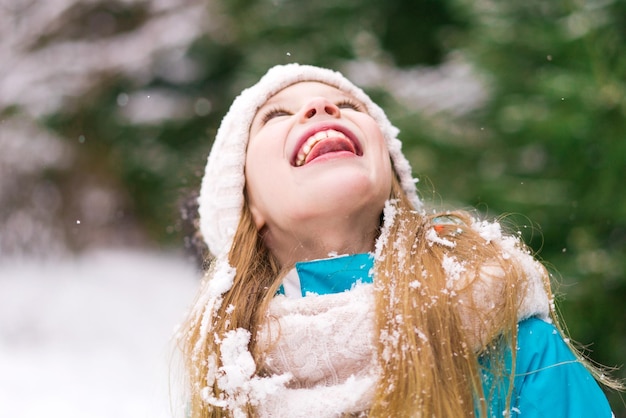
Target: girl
x,y
333,293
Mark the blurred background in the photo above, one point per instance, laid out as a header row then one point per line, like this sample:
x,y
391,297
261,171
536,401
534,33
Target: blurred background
x,y
108,110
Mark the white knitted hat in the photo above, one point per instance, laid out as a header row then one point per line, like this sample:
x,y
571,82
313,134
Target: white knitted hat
x,y
221,194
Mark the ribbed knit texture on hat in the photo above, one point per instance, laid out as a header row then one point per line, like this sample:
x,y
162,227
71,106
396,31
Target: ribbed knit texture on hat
x,y
221,195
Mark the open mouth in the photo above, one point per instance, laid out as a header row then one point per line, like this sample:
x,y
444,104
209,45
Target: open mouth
x,y
322,143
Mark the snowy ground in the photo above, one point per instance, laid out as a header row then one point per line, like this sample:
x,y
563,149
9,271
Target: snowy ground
x,y
91,337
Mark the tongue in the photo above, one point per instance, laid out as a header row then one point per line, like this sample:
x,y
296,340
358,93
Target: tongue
x,y
329,145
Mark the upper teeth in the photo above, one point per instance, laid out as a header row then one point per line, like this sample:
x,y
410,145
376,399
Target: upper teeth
x,y
314,139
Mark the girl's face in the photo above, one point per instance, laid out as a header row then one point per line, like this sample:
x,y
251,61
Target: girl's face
x,y
315,157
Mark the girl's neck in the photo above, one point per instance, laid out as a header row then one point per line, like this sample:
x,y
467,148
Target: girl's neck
x,y
322,242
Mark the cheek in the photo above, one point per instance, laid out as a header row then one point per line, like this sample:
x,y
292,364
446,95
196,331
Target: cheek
x,y
382,158
263,165
255,173
266,184
256,164
382,170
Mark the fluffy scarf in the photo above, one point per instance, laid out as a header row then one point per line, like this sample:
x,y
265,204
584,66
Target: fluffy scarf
x,y
326,345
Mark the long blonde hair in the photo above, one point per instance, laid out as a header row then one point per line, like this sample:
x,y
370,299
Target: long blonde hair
x,y
430,332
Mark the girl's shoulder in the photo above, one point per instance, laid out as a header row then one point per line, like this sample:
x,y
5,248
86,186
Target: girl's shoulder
x,y
550,380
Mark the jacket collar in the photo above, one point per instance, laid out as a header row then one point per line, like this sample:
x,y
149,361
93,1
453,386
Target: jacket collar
x,y
328,275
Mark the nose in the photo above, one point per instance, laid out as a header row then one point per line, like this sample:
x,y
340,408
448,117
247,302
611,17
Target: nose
x,y
319,107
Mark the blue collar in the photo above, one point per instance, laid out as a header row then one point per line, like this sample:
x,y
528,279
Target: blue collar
x,y
328,275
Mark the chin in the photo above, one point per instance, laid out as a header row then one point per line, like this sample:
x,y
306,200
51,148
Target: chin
x,y
351,193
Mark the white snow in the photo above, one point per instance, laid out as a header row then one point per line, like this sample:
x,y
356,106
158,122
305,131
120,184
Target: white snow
x,y
389,215
90,337
454,271
489,231
433,238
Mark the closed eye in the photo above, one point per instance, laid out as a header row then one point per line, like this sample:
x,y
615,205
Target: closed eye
x,y
350,104
274,113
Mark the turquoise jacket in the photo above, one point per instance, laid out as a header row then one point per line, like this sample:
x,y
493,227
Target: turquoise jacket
x,y
549,381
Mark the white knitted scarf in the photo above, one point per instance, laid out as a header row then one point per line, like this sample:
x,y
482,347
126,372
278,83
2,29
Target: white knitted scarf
x,y
326,343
